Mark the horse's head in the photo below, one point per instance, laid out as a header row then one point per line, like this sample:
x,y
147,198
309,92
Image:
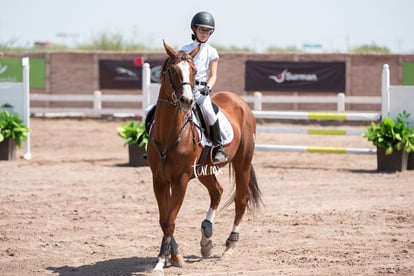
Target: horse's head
x,y
179,72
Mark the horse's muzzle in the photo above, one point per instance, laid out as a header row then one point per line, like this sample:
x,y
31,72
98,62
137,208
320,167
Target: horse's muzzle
x,y
186,103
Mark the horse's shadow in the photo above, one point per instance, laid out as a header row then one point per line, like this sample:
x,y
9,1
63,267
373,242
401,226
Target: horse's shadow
x,y
133,266
125,266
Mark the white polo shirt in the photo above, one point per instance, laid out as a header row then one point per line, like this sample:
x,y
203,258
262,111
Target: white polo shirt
x,y
202,60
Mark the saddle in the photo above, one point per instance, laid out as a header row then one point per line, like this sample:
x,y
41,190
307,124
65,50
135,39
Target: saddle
x,y
200,122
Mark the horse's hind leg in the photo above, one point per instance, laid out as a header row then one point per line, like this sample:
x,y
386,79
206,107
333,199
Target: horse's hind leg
x,y
215,191
242,177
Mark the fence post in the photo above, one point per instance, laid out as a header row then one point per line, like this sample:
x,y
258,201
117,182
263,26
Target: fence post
x,y
146,81
26,110
257,105
97,103
340,105
385,91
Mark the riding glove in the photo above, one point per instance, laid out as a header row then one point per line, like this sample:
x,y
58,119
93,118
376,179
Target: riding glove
x,y
205,90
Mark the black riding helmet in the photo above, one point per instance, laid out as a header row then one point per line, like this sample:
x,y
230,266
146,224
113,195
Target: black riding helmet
x,y
202,19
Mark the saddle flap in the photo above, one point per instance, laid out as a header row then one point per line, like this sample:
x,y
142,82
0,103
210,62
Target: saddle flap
x,y
226,130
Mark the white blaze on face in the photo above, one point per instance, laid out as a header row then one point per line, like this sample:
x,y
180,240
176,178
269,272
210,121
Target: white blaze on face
x,y
185,70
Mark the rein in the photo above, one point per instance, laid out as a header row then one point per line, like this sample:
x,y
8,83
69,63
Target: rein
x,y
175,101
187,120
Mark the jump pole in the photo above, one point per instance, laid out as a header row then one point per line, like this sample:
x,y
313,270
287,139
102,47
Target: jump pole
x,y
310,149
325,116
311,131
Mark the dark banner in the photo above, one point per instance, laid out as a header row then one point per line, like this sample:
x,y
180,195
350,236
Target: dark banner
x,y
125,74
295,76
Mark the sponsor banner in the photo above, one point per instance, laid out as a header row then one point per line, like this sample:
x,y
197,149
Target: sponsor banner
x,y
11,70
408,73
295,76
125,74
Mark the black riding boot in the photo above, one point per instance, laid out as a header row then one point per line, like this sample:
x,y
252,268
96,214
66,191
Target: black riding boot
x,y
219,156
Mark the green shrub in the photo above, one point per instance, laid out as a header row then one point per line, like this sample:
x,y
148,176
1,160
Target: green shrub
x,y
12,126
392,134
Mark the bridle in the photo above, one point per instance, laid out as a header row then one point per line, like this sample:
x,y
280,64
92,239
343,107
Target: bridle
x,y
176,101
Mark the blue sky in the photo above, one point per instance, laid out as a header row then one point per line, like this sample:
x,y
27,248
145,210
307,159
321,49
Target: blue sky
x,y
336,25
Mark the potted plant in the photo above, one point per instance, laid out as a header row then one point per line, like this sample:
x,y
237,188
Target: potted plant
x,y
394,140
410,162
136,137
12,133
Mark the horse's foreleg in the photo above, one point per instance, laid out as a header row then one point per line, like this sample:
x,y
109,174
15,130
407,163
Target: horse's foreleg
x,y
169,246
162,194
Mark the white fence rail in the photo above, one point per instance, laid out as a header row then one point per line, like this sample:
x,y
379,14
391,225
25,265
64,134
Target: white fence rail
x,y
340,100
96,102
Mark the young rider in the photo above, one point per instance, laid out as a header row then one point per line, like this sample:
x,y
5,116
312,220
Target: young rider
x,y
206,61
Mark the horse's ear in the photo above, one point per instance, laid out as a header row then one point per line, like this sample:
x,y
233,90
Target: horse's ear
x,y
194,52
170,51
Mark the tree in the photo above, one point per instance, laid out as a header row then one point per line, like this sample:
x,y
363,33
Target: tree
x,y
111,41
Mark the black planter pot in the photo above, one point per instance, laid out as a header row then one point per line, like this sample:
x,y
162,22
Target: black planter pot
x,y
136,155
396,161
410,162
8,149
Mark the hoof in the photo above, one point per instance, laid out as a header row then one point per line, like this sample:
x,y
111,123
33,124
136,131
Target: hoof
x,y
206,247
231,243
157,273
227,253
159,267
177,260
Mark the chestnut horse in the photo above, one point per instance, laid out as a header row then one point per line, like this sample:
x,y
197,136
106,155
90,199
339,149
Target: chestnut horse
x,y
173,150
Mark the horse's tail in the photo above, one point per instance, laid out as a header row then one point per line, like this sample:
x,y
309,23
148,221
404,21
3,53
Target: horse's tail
x,y
255,195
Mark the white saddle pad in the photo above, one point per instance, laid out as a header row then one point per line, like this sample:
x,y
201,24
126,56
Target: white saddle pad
x,y
226,130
